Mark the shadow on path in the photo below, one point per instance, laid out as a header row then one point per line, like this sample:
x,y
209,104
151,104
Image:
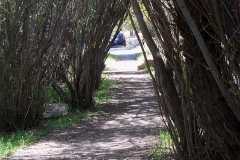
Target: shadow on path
x,y
128,130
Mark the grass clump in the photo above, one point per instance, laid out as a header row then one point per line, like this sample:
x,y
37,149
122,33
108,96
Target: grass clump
x,y
102,95
66,121
10,143
164,149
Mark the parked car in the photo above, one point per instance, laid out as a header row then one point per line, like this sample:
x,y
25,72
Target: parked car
x,y
120,40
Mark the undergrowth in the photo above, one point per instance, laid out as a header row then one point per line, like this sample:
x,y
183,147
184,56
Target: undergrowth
x,y
164,149
11,142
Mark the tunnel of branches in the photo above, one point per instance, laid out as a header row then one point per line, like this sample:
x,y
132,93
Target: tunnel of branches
x,y
195,47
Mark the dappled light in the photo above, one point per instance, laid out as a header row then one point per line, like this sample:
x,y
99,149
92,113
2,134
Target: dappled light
x,y
128,128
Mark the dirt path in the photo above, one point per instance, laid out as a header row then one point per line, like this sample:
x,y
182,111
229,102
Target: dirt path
x,y
128,131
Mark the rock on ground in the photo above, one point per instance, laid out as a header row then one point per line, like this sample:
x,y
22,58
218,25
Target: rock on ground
x,y
55,110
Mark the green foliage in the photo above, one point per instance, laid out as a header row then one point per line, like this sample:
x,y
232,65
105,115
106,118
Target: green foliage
x,y
163,150
102,95
10,143
66,121
52,96
20,139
